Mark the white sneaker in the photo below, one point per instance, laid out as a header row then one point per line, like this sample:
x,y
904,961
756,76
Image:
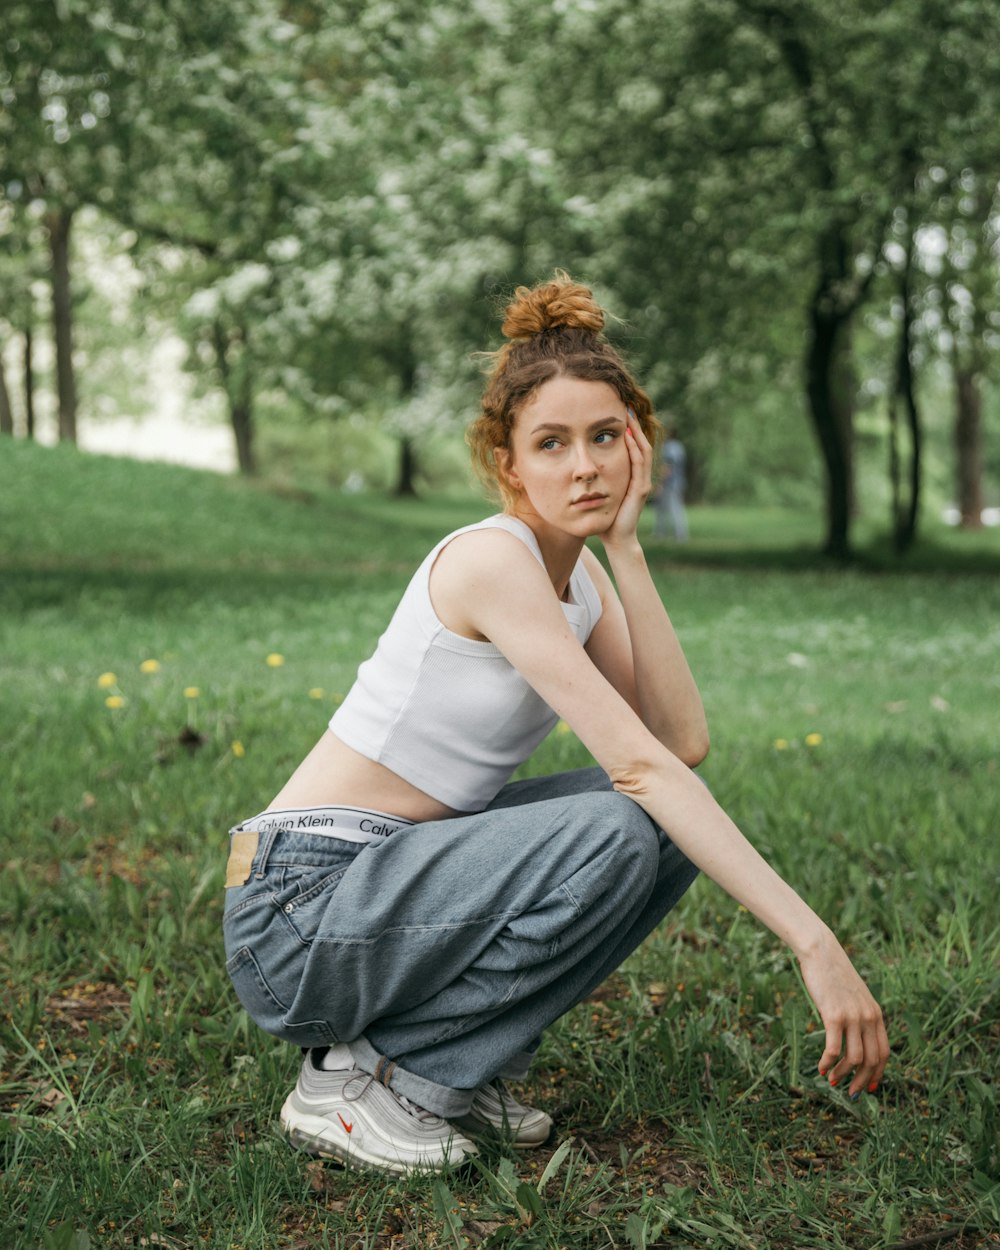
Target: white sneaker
x,y
349,1116
495,1111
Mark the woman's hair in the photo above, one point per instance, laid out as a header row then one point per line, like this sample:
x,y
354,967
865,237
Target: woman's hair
x,y
554,330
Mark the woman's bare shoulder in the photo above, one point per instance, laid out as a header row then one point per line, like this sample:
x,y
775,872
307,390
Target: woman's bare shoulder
x,y
479,549
476,567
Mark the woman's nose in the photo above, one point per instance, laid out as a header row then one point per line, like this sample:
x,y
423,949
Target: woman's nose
x,y
585,466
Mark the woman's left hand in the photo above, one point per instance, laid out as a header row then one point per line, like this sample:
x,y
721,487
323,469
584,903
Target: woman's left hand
x,y
640,452
857,1046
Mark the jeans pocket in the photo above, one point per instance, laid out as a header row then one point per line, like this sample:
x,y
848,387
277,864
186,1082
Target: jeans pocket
x,y
266,1009
254,990
303,904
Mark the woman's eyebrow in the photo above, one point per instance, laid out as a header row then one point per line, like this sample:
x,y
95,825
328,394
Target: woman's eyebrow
x,y
563,428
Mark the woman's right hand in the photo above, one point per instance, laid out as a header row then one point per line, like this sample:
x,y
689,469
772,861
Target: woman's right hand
x,y
640,453
856,1039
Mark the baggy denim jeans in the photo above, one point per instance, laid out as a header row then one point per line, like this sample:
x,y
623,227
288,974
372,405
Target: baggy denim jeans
x,y
440,954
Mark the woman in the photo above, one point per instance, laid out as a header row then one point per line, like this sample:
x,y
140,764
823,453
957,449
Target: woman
x,y
411,919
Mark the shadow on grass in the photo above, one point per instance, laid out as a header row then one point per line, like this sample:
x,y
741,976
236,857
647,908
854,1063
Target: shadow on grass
x,y
929,557
176,591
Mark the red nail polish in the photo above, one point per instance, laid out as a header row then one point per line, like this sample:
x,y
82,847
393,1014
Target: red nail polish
x,y
833,1080
873,1087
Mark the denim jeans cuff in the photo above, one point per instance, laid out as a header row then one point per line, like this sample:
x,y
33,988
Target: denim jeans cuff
x,y
441,1099
516,1067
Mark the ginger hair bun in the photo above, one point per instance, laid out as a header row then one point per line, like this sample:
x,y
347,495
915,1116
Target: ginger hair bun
x,y
552,306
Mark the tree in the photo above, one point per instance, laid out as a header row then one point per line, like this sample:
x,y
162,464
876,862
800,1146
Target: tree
x,y
157,114
62,66
972,301
210,184
6,411
905,508
737,164
385,279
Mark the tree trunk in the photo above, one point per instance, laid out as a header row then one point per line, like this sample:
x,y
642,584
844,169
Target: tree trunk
x,y
895,467
6,412
29,382
239,391
406,482
844,388
58,223
241,416
908,533
969,446
828,329
904,516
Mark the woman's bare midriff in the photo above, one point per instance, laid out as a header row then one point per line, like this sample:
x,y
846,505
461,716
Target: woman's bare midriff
x,y
333,774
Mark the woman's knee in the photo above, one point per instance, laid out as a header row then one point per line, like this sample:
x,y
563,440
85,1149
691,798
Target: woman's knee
x,y
634,833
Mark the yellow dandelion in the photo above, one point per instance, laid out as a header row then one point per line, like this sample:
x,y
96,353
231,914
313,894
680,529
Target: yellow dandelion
x,y
192,692
813,740
107,680
239,750
274,660
114,701
781,744
562,727
149,666
317,692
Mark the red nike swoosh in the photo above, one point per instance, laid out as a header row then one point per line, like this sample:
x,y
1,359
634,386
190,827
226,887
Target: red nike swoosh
x,y
347,1127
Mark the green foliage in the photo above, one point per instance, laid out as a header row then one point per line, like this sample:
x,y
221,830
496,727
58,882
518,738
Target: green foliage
x,y
139,1103
328,200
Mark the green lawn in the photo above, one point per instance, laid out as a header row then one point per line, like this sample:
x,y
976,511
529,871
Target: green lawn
x,y
854,719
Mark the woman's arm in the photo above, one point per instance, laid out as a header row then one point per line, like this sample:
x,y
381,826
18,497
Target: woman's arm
x,y
513,606
635,647
634,644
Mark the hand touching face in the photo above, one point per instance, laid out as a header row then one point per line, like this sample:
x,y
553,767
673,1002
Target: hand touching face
x,y
640,452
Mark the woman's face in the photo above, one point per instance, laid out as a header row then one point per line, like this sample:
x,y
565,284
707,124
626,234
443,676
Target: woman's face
x,y
567,456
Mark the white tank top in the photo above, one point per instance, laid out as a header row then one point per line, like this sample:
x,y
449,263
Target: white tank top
x,y
448,714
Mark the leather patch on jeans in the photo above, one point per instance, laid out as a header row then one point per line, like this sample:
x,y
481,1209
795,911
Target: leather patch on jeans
x,y
242,849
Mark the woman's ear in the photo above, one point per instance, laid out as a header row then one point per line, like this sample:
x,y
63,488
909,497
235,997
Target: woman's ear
x,y
506,472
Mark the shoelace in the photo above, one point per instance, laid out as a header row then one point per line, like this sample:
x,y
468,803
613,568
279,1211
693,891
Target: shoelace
x,y
411,1108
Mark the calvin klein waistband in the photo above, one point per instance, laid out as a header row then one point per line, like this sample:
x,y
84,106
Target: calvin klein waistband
x,y
350,824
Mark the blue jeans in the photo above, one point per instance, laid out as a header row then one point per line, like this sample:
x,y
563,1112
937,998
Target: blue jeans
x,y
441,953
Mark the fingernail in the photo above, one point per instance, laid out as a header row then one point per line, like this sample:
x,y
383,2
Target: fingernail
x,y
855,1097
873,1087
833,1081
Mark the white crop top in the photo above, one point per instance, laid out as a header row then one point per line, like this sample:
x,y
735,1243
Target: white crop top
x,y
448,714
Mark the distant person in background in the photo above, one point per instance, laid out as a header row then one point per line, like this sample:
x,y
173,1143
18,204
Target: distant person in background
x,y
670,500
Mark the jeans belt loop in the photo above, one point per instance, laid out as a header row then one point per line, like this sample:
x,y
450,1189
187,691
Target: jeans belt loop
x,y
264,851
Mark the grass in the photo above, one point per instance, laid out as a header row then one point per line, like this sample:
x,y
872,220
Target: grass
x,y
854,721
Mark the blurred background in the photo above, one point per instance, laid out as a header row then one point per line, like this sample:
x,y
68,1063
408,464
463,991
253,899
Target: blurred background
x,y
270,237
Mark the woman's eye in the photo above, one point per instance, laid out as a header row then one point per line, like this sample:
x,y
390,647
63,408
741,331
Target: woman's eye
x,y
549,444
606,436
